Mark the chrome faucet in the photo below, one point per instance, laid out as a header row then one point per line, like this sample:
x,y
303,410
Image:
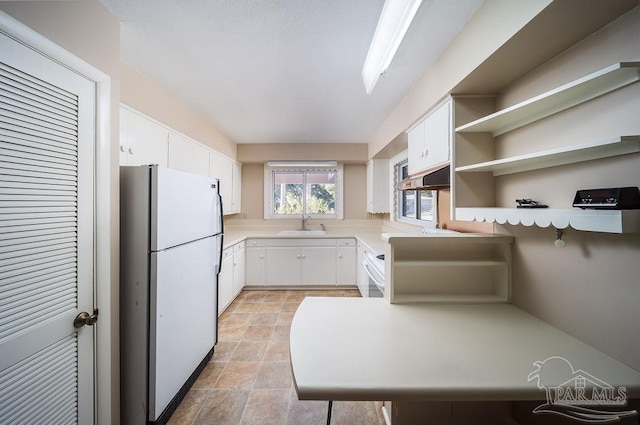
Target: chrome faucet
x,y
304,222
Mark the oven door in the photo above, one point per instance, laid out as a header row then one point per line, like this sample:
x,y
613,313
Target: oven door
x,y
375,279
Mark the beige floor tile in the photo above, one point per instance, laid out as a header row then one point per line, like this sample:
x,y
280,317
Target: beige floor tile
x,y
277,351
238,375
209,375
281,333
223,350
223,407
231,332
264,319
354,413
189,408
294,296
266,407
236,319
247,307
253,296
249,351
275,296
307,412
274,376
258,333
271,307
285,318
290,307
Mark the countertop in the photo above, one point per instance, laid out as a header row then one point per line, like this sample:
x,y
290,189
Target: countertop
x,y
372,239
368,349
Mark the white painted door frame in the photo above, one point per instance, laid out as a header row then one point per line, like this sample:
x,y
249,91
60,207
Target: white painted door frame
x,y
106,284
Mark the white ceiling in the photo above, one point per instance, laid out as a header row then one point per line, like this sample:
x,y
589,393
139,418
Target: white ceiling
x,y
281,70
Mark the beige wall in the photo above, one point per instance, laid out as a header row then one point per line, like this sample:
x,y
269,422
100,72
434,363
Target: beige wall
x,y
90,32
355,192
591,287
146,96
253,157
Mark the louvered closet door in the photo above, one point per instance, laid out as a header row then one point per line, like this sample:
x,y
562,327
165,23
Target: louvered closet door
x,y
46,239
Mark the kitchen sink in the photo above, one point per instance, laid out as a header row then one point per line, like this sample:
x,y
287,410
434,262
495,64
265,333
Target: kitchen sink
x,y
302,233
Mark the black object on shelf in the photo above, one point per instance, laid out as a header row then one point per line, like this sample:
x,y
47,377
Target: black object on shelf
x,y
614,198
530,203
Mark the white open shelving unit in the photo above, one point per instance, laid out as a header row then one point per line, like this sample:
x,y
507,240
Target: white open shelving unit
x,y
559,99
564,97
456,268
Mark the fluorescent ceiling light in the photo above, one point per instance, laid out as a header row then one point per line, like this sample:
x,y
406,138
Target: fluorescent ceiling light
x,y
393,24
302,163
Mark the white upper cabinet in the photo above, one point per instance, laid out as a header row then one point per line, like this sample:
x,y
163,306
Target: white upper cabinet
x,y
378,186
429,139
187,155
142,140
229,172
236,193
221,168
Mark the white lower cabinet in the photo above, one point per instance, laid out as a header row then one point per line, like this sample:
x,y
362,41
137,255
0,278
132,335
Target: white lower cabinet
x,y
225,280
318,265
256,262
284,265
232,275
300,262
238,268
346,262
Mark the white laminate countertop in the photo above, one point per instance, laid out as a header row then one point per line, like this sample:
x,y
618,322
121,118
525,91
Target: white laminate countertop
x,y
368,349
372,239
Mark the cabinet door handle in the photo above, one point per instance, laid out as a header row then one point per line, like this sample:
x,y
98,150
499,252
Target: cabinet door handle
x,y
131,151
122,149
261,257
339,255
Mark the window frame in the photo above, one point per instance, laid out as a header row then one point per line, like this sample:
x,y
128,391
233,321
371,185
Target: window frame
x,y
399,201
268,189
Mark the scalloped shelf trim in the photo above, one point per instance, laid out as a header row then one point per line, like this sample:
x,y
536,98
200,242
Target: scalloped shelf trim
x,y
607,221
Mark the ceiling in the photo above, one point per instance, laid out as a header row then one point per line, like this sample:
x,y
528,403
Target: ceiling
x,y
281,70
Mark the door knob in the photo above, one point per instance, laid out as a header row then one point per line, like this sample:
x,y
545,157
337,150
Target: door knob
x,y
86,319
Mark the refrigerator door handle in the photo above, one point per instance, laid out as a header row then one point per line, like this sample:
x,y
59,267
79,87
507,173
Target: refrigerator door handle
x,y
219,265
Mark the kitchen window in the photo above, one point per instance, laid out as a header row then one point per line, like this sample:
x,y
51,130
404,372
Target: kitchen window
x,y
292,190
414,206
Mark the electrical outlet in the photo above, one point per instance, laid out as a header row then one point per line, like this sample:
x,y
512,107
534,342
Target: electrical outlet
x,y
244,215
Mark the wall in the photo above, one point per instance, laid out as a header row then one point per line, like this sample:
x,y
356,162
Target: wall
x,y
589,288
355,193
90,32
497,21
146,96
253,157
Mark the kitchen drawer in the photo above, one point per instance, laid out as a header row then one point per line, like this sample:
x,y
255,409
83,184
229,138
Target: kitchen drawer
x,y
346,242
238,247
301,242
256,242
228,252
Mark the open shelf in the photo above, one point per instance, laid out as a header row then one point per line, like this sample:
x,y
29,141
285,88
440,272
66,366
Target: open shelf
x,y
608,221
462,269
571,94
561,156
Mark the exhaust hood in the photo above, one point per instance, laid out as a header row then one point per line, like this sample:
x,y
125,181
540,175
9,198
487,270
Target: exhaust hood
x,y
434,178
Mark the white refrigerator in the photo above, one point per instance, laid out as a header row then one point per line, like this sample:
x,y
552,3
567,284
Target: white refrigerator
x,y
170,252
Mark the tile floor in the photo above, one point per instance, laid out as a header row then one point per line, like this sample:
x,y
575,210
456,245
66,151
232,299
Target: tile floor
x,y
248,381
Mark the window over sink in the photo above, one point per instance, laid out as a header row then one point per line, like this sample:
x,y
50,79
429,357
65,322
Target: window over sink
x,y
312,190
414,206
